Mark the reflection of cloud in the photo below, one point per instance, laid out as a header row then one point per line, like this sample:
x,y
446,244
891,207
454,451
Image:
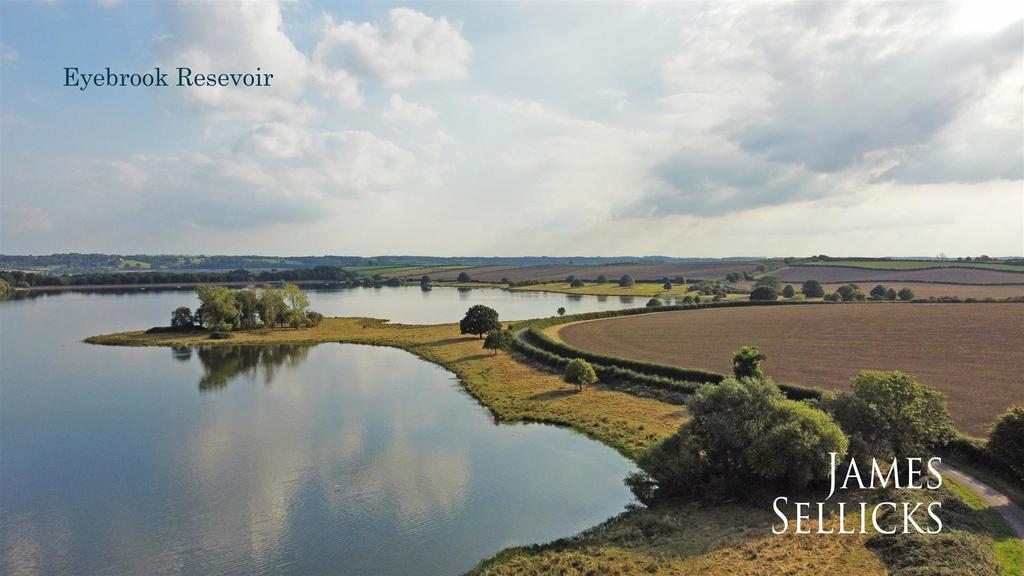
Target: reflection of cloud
x,y
26,535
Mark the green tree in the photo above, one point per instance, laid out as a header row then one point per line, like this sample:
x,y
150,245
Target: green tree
x,y
498,340
626,281
297,302
906,294
667,285
770,281
832,297
479,320
425,283
182,318
217,308
653,302
570,279
916,414
746,362
561,310
602,279
271,305
788,291
868,432
680,280
1006,439
850,292
464,277
813,289
579,373
764,293
878,292
891,294
576,283
248,308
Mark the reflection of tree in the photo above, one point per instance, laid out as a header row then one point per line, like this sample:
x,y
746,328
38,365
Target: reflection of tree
x,y
221,364
181,353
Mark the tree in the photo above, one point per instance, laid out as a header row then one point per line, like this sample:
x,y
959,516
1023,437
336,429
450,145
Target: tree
x,y
653,302
425,283
576,283
788,291
680,280
906,294
498,340
464,277
570,279
878,292
813,289
770,281
667,285
916,414
626,281
850,292
479,320
248,308
764,293
1006,439
271,306
217,309
602,279
580,373
561,310
891,294
742,433
832,297
868,432
182,318
746,362
297,303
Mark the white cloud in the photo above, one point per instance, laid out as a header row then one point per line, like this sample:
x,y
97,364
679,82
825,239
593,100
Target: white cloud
x,y
402,111
8,54
408,47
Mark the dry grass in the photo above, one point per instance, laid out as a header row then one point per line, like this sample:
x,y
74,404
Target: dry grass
x,y
512,390
971,352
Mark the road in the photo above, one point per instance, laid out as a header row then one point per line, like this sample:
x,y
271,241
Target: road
x,y
1013,514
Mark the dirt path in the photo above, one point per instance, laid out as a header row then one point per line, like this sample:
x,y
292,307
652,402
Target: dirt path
x,y
1013,514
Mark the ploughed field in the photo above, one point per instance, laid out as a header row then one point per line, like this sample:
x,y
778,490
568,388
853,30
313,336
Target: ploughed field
x,y
927,289
826,274
558,272
971,352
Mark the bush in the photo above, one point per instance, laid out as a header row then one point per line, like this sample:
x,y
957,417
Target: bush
x,y
580,373
746,362
906,294
653,302
576,283
479,320
626,281
764,293
464,277
313,318
916,414
1006,439
667,285
788,291
498,340
813,289
891,294
602,279
832,297
561,310
878,292
851,292
742,432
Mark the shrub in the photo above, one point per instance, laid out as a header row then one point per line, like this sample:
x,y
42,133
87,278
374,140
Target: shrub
x,y
742,432
1006,439
653,302
479,320
878,292
850,292
561,310
602,279
831,297
464,277
579,373
498,340
788,291
891,294
916,414
182,318
576,283
313,318
626,281
746,362
667,285
906,294
764,293
813,289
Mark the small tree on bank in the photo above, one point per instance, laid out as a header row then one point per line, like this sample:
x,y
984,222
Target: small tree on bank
x,y
916,414
906,294
746,362
813,289
626,281
764,293
182,318
464,277
498,340
561,310
1006,439
602,279
579,373
479,320
788,291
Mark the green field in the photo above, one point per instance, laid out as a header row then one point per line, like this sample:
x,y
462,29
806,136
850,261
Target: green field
x,y
913,265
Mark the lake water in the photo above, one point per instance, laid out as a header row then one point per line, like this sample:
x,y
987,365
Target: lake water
x,y
337,459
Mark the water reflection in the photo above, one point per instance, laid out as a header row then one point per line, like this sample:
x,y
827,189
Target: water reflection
x,y
221,364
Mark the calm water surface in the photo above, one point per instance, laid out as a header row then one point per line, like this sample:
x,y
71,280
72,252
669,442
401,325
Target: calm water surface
x,y
334,459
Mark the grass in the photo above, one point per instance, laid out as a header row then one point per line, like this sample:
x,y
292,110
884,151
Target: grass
x,y
913,265
996,480
640,289
669,538
1008,548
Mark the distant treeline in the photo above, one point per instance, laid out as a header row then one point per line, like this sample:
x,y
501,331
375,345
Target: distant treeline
x,y
324,273
72,263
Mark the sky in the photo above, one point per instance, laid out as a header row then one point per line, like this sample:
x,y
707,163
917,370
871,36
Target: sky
x,y
679,129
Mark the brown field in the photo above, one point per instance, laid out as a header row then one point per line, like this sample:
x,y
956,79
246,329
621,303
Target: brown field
x,y
971,352
828,274
926,289
612,271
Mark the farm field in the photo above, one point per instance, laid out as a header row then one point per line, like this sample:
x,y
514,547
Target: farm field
x,y
612,271
927,289
915,264
971,352
828,274
642,289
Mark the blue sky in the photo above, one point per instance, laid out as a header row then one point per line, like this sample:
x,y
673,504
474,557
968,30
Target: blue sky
x,y
684,129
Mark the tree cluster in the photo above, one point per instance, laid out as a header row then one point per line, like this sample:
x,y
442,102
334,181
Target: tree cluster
x,y
222,309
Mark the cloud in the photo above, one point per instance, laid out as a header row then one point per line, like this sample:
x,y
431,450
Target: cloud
x,y
8,54
408,47
402,111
